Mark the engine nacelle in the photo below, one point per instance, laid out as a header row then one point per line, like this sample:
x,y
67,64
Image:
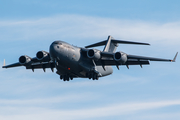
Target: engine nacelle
x,y
120,56
93,54
23,60
43,56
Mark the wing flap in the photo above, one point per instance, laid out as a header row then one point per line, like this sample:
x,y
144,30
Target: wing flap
x,y
147,58
41,66
129,62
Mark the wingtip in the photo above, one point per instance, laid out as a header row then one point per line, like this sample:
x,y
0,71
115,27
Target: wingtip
x,y
145,44
4,64
174,60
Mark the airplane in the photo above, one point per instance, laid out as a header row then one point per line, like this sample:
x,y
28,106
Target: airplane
x,y
77,62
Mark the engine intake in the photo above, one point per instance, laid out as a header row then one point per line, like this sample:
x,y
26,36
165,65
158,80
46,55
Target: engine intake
x,y
93,54
120,56
117,56
24,59
43,56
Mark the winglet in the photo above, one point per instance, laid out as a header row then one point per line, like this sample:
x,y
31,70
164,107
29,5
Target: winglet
x,y
4,64
174,60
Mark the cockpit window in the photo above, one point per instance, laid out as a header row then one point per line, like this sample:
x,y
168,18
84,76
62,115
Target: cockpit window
x,y
56,42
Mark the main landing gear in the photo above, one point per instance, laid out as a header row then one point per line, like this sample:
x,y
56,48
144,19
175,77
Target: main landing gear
x,y
66,77
92,75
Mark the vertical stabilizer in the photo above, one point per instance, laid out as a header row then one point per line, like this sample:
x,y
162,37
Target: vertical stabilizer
x,y
110,46
107,46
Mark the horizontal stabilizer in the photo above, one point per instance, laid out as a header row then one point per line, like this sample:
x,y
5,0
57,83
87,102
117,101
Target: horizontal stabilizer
x,y
97,44
129,42
115,41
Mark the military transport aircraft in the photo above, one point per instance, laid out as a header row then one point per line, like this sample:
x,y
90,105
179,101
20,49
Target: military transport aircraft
x,y
73,62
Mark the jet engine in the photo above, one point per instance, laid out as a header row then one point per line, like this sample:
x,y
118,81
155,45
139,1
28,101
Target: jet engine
x,y
93,54
43,56
120,56
23,60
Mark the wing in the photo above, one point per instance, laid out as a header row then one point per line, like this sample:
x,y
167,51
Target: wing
x,y
18,64
12,65
109,57
33,63
36,65
131,60
151,58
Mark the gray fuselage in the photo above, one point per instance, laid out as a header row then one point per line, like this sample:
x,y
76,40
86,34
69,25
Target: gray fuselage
x,y
71,61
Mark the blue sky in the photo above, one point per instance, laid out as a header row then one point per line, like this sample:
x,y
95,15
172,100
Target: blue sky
x,y
149,93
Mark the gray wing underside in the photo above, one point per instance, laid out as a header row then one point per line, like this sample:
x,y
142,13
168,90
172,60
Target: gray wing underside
x,y
131,60
33,65
147,58
34,60
12,65
41,65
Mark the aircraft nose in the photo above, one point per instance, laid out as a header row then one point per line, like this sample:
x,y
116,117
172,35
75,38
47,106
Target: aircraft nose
x,y
52,50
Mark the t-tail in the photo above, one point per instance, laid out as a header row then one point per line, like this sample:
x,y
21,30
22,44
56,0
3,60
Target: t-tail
x,y
111,44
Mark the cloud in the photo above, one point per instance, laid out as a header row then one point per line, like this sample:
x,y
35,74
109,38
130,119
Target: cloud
x,y
39,113
82,30
43,101
159,116
40,80
87,27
